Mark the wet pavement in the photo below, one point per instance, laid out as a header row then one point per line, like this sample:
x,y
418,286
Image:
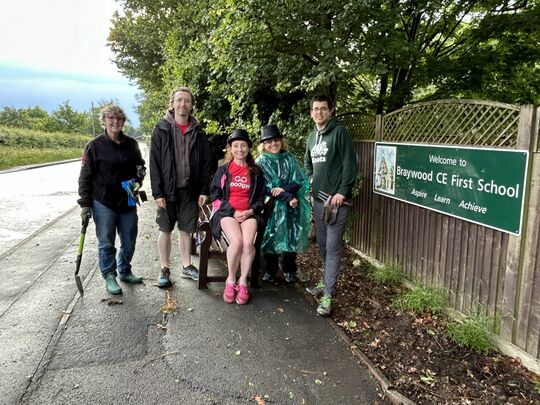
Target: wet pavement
x,y
29,199
61,348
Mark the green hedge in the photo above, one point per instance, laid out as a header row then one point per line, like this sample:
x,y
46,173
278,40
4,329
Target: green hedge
x,y
32,139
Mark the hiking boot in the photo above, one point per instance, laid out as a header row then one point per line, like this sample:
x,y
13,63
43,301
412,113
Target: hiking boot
x,y
164,280
229,294
190,272
290,277
111,285
242,296
268,277
325,305
317,290
130,278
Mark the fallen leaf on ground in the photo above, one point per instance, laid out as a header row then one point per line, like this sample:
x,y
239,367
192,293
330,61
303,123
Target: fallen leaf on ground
x,y
170,304
111,301
260,400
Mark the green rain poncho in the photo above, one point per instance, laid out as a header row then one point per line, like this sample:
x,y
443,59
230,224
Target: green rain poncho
x,y
287,228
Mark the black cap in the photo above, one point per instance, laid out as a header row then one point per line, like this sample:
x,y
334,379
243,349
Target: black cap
x,y
239,135
270,132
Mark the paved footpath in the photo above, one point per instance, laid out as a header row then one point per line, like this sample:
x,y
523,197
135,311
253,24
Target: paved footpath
x,y
60,348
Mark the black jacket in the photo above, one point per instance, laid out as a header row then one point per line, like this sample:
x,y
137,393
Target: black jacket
x,y
219,193
105,165
163,165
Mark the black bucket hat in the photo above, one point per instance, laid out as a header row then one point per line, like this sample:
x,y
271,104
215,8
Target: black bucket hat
x,y
270,132
239,135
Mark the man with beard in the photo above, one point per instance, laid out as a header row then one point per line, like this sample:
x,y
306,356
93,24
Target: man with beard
x,y
180,176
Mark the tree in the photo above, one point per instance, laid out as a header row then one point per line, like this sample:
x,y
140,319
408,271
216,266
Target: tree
x,y
254,61
68,119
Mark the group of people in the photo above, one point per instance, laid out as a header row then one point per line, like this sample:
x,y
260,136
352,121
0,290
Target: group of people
x,y
270,195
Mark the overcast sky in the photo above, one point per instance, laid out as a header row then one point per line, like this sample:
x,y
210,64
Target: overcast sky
x,y
52,51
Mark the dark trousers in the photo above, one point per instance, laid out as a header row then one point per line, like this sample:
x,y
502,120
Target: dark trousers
x,y
287,259
330,241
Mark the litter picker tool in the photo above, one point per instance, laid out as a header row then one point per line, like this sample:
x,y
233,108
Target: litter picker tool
x,y
78,281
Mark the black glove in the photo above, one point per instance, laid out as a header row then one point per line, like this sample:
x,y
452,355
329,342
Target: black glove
x,y
86,212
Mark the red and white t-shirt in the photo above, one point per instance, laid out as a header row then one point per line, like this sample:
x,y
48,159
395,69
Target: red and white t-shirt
x,y
239,187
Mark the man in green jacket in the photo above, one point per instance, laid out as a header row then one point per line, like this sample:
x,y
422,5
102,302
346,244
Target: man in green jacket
x,y
330,163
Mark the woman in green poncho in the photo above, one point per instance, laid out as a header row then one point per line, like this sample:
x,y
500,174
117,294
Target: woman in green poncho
x,y
287,210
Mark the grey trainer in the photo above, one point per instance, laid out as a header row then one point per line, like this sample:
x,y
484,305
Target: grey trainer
x,y
164,280
325,305
190,272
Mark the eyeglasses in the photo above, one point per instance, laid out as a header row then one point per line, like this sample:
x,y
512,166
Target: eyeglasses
x,y
320,109
273,140
185,100
113,118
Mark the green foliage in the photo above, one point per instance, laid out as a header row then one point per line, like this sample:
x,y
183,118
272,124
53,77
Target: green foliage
x,y
422,299
63,119
254,62
388,274
33,139
473,332
19,147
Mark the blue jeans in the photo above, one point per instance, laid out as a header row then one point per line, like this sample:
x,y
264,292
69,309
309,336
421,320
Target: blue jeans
x,y
108,222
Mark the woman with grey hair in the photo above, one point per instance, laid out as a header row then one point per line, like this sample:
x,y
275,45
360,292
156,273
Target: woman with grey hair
x,y
111,165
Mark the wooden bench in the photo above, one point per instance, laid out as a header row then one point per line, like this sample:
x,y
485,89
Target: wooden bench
x,y
210,248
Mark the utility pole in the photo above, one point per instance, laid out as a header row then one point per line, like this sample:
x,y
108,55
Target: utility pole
x,y
93,120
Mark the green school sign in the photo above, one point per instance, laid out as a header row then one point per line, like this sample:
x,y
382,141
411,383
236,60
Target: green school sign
x,y
484,186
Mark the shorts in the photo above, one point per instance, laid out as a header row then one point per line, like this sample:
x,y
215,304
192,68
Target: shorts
x,y
181,211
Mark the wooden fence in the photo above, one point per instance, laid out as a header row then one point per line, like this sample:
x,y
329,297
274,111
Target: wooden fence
x,y
479,266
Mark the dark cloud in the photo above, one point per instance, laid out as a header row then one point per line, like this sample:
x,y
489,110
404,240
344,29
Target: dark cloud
x,y
22,87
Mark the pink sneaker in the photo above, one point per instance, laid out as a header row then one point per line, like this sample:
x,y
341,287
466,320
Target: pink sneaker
x,y
230,292
242,297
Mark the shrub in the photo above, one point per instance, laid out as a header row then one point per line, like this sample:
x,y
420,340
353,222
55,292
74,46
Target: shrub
x,y
28,138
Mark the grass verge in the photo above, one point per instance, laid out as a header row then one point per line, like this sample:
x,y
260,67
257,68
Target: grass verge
x,y
423,299
13,157
387,274
472,333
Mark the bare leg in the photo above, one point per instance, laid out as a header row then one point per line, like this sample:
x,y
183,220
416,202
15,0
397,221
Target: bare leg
x,y
249,228
164,248
185,247
231,229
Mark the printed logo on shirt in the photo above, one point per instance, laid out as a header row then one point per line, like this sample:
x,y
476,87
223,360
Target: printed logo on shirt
x,y
319,151
240,181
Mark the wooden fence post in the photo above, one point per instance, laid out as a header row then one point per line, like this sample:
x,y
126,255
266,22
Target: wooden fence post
x,y
513,273
376,214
